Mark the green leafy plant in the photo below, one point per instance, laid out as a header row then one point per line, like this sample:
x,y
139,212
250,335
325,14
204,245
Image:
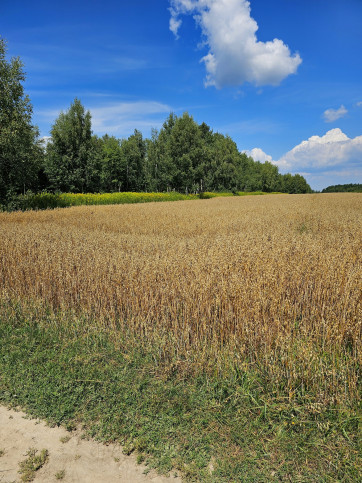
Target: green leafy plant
x,y
60,475
65,439
32,463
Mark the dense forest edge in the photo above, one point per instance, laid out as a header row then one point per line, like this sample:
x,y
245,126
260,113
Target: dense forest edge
x,y
183,156
344,188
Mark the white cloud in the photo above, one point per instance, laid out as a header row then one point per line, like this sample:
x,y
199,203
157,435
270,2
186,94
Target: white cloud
x,y
45,140
332,150
331,115
324,160
123,117
117,118
175,23
359,104
235,55
258,155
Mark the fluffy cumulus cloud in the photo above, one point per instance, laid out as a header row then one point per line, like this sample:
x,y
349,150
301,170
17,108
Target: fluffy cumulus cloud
x,y
333,150
324,160
331,115
235,54
258,155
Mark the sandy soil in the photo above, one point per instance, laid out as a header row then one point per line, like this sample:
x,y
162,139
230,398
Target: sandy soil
x,y
82,461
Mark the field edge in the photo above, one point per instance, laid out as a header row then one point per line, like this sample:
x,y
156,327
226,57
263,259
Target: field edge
x,y
207,426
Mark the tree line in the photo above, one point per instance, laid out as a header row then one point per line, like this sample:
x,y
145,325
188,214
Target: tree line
x,y
344,188
183,155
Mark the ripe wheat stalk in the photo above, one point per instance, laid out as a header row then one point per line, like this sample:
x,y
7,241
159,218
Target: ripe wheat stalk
x,y
273,281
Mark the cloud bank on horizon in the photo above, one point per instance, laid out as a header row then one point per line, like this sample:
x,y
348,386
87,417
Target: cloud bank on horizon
x,y
235,54
333,153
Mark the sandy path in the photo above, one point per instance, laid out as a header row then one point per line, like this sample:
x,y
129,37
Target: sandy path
x,y
83,461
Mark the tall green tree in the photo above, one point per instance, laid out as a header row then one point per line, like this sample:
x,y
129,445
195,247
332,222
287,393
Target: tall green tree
x,y
295,184
133,155
112,169
185,151
203,171
270,177
72,161
152,162
20,149
160,166
225,164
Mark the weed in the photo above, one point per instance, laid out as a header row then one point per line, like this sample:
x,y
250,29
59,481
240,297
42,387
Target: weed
x,y
32,464
71,426
65,439
60,475
302,228
140,458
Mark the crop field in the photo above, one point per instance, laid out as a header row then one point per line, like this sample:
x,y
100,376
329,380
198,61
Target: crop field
x,y
268,286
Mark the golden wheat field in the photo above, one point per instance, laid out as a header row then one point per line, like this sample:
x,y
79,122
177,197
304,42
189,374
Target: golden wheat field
x,y
275,281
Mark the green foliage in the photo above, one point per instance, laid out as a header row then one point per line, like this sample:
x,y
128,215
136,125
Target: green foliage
x,y
189,157
216,427
112,166
44,201
183,156
40,201
32,463
119,198
71,160
20,150
60,475
171,155
133,154
344,188
185,151
295,184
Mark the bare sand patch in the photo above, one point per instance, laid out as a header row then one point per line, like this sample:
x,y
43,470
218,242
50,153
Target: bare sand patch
x,y
71,459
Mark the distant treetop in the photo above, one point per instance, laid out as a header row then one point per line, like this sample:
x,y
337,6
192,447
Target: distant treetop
x,y
344,188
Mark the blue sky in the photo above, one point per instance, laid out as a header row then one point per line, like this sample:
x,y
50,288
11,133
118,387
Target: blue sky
x,y
283,78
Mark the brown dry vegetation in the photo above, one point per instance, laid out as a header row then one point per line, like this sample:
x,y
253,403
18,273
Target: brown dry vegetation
x,y
268,282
